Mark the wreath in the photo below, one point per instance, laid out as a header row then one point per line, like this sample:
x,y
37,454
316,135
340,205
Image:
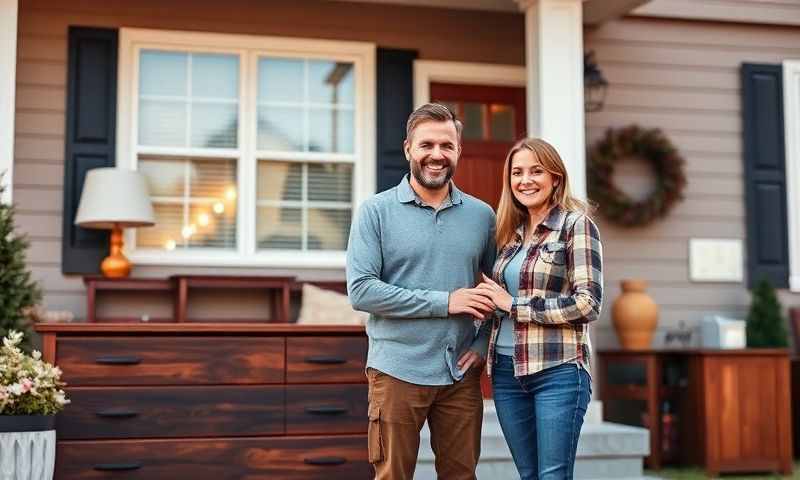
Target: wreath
x,y
649,145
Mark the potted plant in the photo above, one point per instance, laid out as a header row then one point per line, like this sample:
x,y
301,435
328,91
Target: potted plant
x,y
31,393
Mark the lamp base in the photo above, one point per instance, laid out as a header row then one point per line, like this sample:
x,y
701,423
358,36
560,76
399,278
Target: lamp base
x,y
116,265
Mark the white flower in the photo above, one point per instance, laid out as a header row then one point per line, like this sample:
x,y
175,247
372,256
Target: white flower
x,y
37,355
15,389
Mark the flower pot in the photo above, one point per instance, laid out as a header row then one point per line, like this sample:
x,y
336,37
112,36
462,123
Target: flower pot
x,y
634,315
27,447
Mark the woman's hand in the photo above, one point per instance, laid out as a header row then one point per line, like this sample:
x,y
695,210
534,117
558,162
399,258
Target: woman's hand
x,y
499,296
469,359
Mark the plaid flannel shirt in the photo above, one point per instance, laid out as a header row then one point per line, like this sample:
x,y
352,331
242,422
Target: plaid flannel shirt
x,y
560,292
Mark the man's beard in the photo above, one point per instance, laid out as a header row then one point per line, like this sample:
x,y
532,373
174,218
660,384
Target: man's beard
x,y
432,183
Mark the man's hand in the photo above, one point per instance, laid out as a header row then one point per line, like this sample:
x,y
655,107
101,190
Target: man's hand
x,y
470,301
470,359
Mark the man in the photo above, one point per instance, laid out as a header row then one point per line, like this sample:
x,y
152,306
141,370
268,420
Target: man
x,y
415,252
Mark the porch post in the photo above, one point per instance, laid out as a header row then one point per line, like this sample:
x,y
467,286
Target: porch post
x,y
554,64
8,79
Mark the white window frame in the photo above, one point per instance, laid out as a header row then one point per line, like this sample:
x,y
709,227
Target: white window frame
x,y
428,71
249,47
791,109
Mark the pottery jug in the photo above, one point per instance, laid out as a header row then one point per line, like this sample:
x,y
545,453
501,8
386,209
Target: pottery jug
x,y
634,315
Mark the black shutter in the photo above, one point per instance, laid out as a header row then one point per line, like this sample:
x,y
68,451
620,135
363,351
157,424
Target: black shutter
x,y
765,174
395,103
90,137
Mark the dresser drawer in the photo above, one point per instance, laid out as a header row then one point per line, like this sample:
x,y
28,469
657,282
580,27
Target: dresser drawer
x,y
325,359
317,409
297,458
138,412
164,360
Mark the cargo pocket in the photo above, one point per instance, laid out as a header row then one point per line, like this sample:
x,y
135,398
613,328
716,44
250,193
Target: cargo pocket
x,y
374,435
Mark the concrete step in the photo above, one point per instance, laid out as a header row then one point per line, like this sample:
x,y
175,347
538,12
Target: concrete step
x,y
605,451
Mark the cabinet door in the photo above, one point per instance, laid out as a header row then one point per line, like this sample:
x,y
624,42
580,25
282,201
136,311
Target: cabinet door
x,y
746,412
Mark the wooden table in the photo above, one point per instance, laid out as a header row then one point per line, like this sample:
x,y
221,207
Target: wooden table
x,y
729,410
178,288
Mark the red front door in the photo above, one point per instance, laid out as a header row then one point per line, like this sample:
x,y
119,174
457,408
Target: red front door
x,y
494,118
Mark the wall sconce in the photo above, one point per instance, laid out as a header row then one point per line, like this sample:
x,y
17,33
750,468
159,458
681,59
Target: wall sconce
x,y
595,85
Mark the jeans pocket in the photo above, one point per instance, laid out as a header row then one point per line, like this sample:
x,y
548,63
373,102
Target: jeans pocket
x,y
375,443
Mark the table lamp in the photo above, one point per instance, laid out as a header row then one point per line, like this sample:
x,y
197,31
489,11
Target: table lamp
x,y
114,199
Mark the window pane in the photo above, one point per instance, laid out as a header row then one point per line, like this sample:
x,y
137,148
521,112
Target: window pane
x,y
210,230
502,122
331,82
474,114
331,182
215,125
328,229
166,233
281,80
331,131
163,73
280,129
215,76
279,181
194,200
279,228
162,123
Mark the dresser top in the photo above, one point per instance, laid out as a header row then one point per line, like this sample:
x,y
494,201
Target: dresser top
x,y
198,327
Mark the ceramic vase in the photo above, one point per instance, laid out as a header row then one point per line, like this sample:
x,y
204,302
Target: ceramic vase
x,y
634,315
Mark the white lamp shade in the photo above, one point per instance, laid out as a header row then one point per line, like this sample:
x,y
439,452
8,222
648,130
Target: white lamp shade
x,y
114,196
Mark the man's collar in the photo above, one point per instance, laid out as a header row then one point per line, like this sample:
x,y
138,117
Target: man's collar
x,y
406,194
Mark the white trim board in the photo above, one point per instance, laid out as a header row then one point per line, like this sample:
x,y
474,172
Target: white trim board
x,y
249,47
427,71
8,79
774,12
791,109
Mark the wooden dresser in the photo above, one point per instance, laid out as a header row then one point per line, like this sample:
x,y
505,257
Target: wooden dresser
x,y
210,401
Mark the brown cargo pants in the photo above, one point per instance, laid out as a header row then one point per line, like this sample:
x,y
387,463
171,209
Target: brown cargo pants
x,y
397,411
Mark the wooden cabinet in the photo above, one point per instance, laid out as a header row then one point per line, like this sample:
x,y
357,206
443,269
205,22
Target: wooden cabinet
x,y
729,410
210,401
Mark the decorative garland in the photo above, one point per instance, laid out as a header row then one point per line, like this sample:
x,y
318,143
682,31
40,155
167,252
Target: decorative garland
x,y
654,148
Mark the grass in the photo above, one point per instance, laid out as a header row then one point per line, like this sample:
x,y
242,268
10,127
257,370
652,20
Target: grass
x,y
698,474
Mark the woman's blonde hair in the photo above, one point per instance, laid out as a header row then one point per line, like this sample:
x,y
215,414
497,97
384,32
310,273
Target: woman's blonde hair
x,y
510,213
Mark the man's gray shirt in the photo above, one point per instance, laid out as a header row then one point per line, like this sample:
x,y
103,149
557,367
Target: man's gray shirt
x,y
403,260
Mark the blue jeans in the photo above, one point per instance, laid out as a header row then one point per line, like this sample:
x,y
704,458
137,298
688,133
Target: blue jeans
x,y
541,416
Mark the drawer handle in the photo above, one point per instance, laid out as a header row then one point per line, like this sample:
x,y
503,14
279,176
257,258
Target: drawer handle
x,y
111,413
117,467
326,410
327,461
118,360
324,360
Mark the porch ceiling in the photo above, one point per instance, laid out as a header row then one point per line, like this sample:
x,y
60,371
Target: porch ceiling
x,y
594,11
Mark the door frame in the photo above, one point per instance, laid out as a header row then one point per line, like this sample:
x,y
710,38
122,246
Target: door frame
x,y
427,71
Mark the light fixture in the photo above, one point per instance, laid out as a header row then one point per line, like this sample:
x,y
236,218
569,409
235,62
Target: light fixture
x,y
113,199
595,85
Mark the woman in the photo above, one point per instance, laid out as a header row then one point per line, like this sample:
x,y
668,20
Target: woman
x,y
550,261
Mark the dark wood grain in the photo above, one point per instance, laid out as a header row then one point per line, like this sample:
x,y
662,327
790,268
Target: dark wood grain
x,y
294,458
325,360
164,360
140,412
228,328
326,408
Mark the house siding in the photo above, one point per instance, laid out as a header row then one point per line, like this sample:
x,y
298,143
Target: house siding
x,y
682,77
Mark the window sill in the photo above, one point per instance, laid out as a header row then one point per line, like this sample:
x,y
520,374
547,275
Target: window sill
x,y
276,259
